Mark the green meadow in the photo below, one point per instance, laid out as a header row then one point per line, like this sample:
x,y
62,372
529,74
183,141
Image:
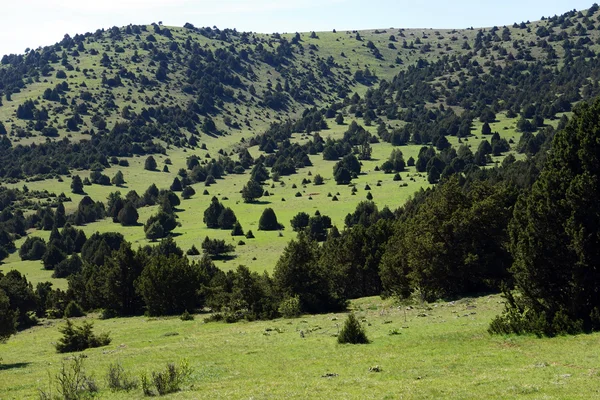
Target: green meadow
x,y
422,351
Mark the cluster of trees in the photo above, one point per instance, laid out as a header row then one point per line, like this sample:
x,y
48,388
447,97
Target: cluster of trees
x,y
217,216
468,235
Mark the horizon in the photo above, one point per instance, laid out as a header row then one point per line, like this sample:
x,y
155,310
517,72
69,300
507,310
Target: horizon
x,y
45,22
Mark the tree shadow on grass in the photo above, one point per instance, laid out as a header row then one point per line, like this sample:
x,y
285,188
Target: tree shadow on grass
x,y
4,367
224,257
261,202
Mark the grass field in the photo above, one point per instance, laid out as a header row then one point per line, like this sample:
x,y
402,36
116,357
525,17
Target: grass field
x,y
442,350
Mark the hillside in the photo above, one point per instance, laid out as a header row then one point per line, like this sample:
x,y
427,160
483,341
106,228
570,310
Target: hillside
x,y
221,88
153,170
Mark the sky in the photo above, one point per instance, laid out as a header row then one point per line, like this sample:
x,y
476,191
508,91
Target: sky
x,y
35,23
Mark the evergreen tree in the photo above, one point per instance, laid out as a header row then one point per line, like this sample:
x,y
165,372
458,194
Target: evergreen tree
x,y
268,221
59,216
555,237
118,179
352,332
53,256
128,215
212,213
187,192
259,173
8,317
237,229
227,219
155,231
150,164
176,185
77,185
252,191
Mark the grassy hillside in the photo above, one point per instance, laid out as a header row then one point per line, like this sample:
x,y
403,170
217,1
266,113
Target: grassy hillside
x,y
473,112
322,64
440,350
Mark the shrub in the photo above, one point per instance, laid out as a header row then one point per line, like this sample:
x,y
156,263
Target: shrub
x,y
352,332
73,310
167,381
186,316
117,379
71,381
79,338
290,307
268,221
193,251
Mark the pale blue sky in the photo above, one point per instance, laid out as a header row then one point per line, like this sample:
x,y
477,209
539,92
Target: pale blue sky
x,y
33,23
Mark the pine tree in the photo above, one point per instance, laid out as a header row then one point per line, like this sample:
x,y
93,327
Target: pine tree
x,y
252,191
150,164
77,185
555,238
268,221
352,332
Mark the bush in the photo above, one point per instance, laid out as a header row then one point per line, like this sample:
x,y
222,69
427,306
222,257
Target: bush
x,y
186,316
167,381
79,338
268,221
193,251
117,379
290,307
73,310
71,381
352,332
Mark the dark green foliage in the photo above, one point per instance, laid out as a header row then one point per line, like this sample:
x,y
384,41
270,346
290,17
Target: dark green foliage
x,y
53,256
150,164
252,191
352,332
88,211
33,248
22,299
169,285
554,237
237,229
299,273
176,185
99,247
154,231
73,310
186,316
8,317
259,173
216,248
268,221
77,185
79,338
212,213
159,225
68,267
128,215
227,219
344,169
118,179
459,253
187,192
300,221
218,216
